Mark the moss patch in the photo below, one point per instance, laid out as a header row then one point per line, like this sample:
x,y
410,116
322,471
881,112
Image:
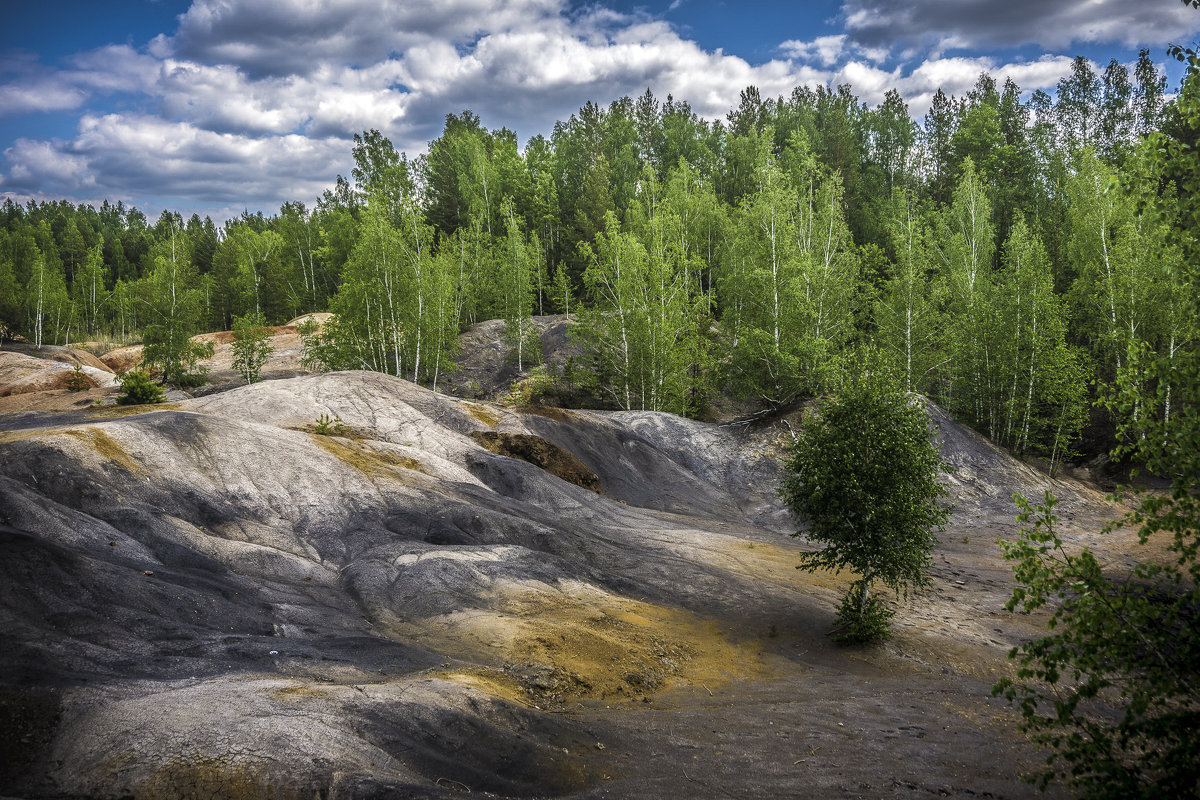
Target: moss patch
x,y
210,777
557,461
557,649
117,412
367,460
106,446
483,414
299,691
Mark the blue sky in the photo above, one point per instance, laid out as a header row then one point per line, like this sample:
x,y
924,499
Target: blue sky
x,y
214,106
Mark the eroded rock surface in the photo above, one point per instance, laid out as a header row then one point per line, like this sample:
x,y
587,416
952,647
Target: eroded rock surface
x,y
215,598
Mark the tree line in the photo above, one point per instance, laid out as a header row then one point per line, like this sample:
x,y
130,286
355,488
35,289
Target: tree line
x,y
990,250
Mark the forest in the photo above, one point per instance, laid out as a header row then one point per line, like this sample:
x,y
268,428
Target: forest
x,y
1009,253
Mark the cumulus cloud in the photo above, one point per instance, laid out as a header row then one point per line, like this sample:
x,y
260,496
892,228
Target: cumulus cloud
x,y
136,156
957,76
36,163
253,102
1052,24
829,50
282,37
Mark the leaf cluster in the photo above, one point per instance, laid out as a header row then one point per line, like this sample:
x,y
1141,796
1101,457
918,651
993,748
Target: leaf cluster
x,y
1112,689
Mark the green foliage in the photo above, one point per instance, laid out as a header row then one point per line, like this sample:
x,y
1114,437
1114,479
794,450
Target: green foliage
x,y
520,271
173,305
1112,689
78,381
909,317
329,426
862,617
137,388
863,476
773,245
251,345
530,389
395,308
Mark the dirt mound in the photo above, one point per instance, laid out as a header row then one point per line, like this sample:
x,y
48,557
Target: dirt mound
x,y
320,318
487,365
48,371
123,359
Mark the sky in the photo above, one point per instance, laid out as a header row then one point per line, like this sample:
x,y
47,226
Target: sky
x,y
219,106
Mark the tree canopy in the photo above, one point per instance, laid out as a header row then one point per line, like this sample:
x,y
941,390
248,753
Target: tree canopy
x,y
863,476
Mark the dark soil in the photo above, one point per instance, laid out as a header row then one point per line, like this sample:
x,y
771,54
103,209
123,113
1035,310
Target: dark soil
x,y
537,451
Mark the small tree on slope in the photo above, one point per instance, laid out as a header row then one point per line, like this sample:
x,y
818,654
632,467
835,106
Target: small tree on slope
x,y
251,345
864,476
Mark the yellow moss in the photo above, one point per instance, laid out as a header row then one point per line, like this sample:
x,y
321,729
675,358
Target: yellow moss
x,y
761,561
35,433
483,414
552,649
106,446
368,461
117,412
298,691
490,680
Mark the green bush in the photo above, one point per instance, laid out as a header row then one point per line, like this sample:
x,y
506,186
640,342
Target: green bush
x,y
138,389
190,380
329,426
860,620
252,345
863,475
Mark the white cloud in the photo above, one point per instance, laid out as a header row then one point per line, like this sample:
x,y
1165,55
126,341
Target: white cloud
x,y
35,162
274,37
40,95
136,157
826,50
253,103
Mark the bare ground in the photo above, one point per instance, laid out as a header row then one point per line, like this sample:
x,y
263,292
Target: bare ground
x,y
213,599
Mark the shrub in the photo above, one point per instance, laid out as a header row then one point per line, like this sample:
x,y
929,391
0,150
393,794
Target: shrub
x,y
251,345
138,389
78,381
329,426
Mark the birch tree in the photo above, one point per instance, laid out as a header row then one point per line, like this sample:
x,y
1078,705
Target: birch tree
x,y
520,266
89,289
616,269
964,246
908,316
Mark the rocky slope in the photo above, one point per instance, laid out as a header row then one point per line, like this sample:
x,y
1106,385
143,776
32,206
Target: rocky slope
x,y
346,585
